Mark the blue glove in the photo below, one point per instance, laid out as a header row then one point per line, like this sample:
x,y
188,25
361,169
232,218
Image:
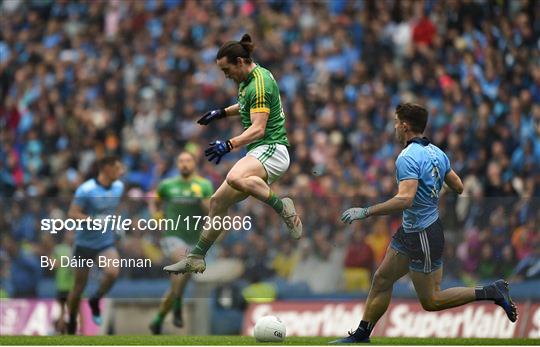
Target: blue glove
x,y
212,115
218,149
354,214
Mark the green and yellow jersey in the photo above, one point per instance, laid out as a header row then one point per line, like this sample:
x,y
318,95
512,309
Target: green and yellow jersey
x,y
183,197
64,277
259,92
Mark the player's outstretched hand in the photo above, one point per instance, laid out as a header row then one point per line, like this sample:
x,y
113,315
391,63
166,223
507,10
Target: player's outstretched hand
x,y
354,214
212,115
217,150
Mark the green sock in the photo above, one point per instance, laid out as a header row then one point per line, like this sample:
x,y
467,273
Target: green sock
x,y
202,246
276,203
177,306
158,319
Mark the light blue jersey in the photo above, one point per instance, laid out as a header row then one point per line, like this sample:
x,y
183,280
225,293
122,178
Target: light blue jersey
x,y
97,202
429,165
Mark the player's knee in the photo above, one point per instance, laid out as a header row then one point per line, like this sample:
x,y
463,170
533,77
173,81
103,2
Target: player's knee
x,y
381,281
77,290
235,180
430,304
112,272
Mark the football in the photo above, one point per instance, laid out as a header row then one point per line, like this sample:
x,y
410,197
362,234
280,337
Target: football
x,y
269,329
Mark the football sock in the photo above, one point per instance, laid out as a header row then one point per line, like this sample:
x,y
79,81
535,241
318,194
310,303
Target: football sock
x,y
202,246
364,329
72,324
274,201
158,319
177,306
485,293
98,294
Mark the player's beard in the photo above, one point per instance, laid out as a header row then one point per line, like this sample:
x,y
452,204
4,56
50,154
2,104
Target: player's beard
x,y
400,138
186,174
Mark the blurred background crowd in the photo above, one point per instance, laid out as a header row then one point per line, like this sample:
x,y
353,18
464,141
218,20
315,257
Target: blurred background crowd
x,y
79,79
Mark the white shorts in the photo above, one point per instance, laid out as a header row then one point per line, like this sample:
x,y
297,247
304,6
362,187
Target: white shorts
x,y
174,247
274,158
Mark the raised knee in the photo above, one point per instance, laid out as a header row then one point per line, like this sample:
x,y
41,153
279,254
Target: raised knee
x,y
234,180
430,304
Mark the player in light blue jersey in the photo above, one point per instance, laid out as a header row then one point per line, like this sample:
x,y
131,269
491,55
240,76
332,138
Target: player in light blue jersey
x,y
96,198
417,247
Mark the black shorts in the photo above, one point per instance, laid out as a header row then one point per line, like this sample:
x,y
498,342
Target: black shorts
x,y
424,248
89,253
62,296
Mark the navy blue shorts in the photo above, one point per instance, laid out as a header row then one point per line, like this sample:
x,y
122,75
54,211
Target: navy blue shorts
x,y
424,248
81,252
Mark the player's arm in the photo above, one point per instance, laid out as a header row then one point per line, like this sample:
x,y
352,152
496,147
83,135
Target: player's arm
x,y
254,132
453,181
76,211
218,149
400,202
232,111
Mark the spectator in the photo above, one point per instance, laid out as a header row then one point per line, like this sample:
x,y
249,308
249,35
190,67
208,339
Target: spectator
x,y
359,254
25,270
285,260
529,267
379,239
522,239
486,266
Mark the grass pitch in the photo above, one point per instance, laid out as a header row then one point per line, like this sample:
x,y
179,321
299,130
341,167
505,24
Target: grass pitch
x,y
169,340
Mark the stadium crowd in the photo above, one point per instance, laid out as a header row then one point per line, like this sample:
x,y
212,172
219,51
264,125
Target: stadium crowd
x,y
79,79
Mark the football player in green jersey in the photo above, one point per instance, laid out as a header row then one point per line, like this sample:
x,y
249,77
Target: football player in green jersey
x,y
187,195
261,114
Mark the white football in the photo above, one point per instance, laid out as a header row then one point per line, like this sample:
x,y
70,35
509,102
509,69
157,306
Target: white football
x,y
269,329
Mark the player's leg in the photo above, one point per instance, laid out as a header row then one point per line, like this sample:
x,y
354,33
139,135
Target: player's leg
x,y
394,266
428,289
173,248
110,274
60,324
74,298
221,200
251,174
171,300
178,290
178,285
432,298
426,274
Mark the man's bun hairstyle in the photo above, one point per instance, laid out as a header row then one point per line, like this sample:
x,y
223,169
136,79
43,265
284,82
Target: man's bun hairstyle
x,y
237,49
247,43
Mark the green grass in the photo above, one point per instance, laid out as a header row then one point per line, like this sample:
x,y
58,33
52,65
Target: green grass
x,y
169,340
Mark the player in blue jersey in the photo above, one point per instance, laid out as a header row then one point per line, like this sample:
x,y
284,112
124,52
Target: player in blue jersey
x,y
96,198
417,247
